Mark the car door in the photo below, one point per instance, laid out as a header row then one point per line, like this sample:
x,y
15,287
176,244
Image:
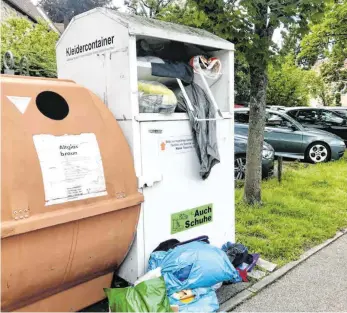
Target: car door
x,y
334,123
241,122
282,134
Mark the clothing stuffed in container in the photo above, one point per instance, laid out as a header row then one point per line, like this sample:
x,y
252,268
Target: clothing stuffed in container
x,y
193,265
171,69
204,132
172,50
155,97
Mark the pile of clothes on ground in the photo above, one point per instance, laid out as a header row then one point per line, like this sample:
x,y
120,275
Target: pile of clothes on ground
x,y
184,277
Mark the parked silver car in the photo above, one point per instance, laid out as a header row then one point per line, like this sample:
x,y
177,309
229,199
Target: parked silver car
x,y
320,118
292,140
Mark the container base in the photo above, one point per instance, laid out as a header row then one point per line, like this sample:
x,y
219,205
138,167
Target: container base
x,y
73,299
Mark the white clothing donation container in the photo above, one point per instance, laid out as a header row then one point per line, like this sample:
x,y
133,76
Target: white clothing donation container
x,y
101,50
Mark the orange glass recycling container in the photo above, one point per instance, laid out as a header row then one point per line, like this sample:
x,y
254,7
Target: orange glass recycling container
x,y
70,203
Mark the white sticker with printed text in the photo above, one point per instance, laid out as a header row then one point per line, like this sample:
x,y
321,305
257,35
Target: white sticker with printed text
x,y
179,144
71,167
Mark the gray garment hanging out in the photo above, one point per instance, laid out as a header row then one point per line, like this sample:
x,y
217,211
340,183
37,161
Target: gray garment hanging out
x,y
204,132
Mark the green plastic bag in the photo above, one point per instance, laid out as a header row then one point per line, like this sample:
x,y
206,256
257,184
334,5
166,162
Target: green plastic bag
x,y
148,296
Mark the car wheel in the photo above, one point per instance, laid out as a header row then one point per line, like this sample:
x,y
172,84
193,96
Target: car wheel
x,y
318,152
240,167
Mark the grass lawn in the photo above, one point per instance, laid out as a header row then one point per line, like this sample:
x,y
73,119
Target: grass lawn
x,y
308,207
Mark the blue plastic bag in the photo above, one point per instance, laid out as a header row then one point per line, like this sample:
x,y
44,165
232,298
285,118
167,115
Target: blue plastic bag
x,y
193,265
205,300
155,259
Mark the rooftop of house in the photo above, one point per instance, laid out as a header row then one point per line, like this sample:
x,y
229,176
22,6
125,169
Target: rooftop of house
x,y
25,7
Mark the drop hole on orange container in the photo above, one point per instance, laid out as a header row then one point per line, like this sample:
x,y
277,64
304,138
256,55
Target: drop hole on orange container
x,y
52,105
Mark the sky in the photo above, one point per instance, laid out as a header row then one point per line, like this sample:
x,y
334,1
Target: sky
x,y
115,2
276,37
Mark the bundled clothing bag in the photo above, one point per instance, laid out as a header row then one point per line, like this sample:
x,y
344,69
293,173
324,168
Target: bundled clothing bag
x,y
237,253
155,97
148,295
193,265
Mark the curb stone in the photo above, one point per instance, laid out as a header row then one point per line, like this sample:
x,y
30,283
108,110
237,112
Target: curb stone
x,y
271,278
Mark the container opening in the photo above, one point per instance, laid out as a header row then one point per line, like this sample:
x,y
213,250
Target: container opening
x,y
52,105
170,49
158,50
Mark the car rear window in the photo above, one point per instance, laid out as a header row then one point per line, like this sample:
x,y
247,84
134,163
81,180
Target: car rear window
x,y
242,117
292,113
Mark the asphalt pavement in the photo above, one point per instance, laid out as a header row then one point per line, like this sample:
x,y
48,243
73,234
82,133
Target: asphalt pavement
x,y
317,285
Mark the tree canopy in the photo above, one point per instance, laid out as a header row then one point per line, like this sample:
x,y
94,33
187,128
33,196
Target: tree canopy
x,y
62,11
34,41
287,83
327,41
149,8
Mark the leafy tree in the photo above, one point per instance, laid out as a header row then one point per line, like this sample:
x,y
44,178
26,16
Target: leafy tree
x,y
62,11
242,79
318,88
287,84
149,8
327,40
35,41
291,41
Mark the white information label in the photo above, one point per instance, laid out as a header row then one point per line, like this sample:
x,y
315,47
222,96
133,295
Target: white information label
x,y
71,167
181,144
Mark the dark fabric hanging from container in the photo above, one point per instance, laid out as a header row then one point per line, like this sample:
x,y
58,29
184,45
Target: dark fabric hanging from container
x,y
204,132
179,70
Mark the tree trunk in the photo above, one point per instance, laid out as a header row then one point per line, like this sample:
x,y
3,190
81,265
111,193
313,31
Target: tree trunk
x,y
252,194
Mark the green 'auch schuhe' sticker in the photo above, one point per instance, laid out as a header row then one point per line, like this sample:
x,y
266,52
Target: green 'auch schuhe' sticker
x,y
191,218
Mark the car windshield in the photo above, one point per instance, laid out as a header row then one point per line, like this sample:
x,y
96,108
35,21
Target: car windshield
x,y
309,117
331,117
341,112
273,119
280,120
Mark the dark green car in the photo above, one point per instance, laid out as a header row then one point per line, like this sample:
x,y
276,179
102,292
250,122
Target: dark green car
x,y
320,118
292,140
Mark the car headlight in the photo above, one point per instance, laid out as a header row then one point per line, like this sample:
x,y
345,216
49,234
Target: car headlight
x,y
267,154
337,142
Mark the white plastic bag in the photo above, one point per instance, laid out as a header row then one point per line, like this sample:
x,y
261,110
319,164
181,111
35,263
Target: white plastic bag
x,y
156,273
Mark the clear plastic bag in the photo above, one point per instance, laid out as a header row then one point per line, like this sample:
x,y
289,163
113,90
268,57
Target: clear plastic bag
x,y
155,97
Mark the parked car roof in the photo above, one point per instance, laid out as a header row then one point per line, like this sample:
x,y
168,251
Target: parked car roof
x,y
305,108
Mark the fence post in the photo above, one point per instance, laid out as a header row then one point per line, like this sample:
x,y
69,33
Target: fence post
x,y
279,168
